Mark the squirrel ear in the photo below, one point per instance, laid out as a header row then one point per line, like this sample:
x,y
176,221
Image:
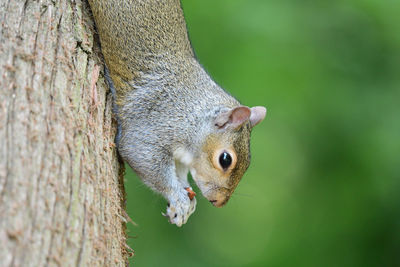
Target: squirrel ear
x,y
257,115
234,117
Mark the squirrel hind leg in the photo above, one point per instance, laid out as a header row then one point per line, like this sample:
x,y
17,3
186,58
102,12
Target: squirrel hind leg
x,y
118,135
110,85
109,82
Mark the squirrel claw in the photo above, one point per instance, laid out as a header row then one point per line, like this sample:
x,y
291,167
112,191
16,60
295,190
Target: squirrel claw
x,y
180,209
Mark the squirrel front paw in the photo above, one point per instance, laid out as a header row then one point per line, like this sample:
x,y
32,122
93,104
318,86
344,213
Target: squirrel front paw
x,y
180,208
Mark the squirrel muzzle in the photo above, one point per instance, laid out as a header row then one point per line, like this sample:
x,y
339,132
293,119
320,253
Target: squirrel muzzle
x,y
219,198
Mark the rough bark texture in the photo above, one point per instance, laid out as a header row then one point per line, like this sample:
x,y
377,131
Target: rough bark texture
x,y
61,191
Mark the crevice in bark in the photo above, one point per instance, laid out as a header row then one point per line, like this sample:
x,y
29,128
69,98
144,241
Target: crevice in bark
x,y
82,244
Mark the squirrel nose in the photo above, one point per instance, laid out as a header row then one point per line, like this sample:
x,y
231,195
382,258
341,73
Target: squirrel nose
x,y
219,202
219,197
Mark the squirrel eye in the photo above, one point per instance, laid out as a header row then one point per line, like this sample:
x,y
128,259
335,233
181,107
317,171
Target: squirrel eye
x,y
225,160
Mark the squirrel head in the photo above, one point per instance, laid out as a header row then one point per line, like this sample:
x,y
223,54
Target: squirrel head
x,y
225,153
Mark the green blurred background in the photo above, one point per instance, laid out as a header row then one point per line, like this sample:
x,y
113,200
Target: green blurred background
x,y
323,188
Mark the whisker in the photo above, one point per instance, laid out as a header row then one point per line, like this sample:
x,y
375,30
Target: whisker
x,y
243,195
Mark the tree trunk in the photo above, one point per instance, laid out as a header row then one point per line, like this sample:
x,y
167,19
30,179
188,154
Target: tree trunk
x,y
61,186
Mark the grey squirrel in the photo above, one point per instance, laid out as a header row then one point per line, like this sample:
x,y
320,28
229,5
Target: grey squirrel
x,y
173,117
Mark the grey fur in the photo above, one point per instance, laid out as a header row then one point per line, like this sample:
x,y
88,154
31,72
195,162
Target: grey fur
x,y
160,116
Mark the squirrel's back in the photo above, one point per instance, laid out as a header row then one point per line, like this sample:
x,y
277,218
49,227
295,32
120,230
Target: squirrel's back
x,y
134,40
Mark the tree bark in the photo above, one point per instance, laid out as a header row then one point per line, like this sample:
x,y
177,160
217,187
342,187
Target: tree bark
x,y
61,185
